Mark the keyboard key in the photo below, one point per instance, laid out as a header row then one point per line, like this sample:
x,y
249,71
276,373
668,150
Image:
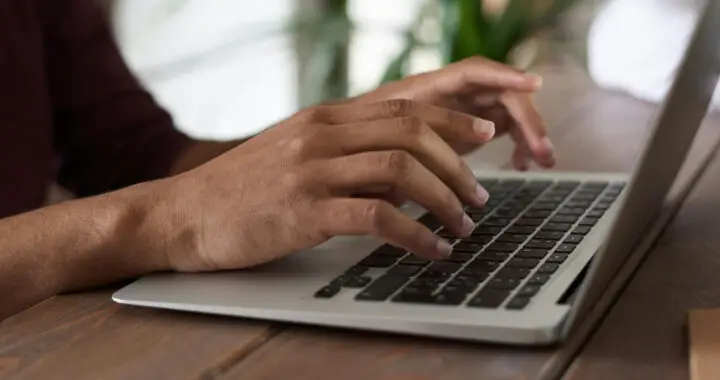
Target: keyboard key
x,y
382,288
529,253
414,260
494,256
518,262
489,298
327,292
579,203
485,230
582,230
557,227
446,234
565,248
495,222
537,214
589,221
564,219
529,290
539,243
479,239
516,229
460,257
357,282
518,303
340,280
427,285
557,258
511,238
444,267
389,250
539,184
595,185
507,213
477,216
528,222
430,221
462,285
552,198
479,274
571,211
356,270
498,283
502,247
404,270
435,299
574,239
517,273
481,266
487,183
510,184
548,268
549,235
466,246
545,206
602,206
539,279
377,261
596,213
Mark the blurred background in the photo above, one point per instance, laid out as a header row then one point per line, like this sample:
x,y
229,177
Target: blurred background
x,y
228,69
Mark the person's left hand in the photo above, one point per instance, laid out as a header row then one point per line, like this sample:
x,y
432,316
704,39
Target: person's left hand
x,y
485,89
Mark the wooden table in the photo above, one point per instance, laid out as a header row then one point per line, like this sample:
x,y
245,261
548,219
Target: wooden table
x,y
86,336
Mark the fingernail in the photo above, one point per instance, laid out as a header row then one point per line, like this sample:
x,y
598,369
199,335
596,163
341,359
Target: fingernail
x,y
482,195
536,79
468,226
444,249
484,129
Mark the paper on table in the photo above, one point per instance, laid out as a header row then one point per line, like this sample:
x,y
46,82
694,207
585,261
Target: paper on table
x,y
704,327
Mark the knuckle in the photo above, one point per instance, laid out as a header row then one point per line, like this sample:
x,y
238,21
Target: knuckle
x,y
396,162
373,213
313,114
412,126
292,180
398,107
303,141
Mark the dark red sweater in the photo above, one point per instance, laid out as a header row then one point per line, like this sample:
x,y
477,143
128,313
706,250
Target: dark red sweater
x,y
69,108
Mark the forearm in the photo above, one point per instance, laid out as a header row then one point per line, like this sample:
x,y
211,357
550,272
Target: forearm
x,y
78,244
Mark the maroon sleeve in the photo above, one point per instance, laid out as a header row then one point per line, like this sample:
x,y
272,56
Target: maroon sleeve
x,y
109,131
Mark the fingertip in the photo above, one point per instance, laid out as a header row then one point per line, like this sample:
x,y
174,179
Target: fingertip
x,y
535,79
484,129
443,248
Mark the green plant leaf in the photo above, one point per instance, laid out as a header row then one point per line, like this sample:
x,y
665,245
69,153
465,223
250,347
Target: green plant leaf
x,y
512,28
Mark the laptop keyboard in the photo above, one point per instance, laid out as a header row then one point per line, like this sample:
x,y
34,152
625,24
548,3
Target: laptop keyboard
x,y
526,231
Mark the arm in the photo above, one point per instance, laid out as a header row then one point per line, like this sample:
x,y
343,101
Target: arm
x,y
110,132
79,244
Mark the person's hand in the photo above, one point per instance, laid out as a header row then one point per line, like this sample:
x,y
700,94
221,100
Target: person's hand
x,y
324,172
486,89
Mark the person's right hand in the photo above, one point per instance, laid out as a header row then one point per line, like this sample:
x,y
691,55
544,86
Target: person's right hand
x,y
326,171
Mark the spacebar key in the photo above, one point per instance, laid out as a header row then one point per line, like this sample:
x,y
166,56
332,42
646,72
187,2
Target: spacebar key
x,y
382,288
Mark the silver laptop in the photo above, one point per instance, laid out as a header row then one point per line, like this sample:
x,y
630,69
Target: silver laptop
x,y
545,247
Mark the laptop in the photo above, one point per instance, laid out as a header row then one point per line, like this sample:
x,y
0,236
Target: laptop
x,y
545,247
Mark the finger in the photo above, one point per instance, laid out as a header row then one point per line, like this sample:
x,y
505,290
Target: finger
x,y
414,136
478,72
448,124
403,174
528,120
520,155
351,216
